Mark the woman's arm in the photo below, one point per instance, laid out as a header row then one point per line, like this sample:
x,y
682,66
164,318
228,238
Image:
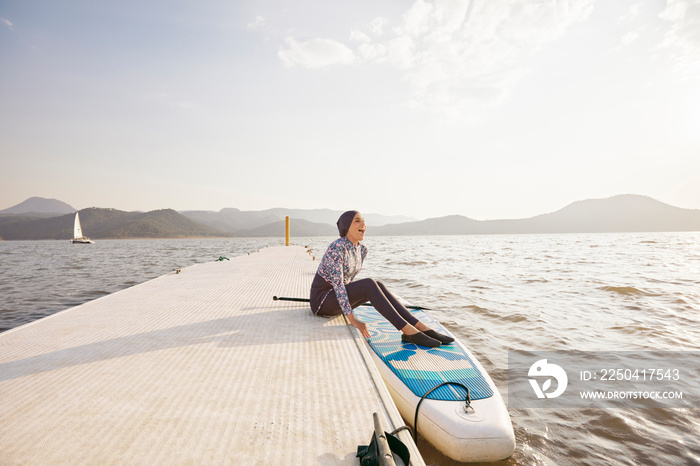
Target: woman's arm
x,y
331,269
361,326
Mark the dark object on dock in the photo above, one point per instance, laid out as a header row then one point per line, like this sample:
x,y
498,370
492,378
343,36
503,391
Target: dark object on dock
x,y
384,449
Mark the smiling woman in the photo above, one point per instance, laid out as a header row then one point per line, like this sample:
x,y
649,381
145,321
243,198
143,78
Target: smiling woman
x,y
333,290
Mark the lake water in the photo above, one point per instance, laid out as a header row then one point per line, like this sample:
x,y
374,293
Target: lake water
x,y
587,292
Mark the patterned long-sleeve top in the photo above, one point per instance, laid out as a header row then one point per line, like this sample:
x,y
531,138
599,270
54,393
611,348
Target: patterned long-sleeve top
x,y
340,265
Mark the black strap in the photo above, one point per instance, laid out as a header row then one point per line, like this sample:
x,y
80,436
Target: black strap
x,y
398,448
368,454
467,400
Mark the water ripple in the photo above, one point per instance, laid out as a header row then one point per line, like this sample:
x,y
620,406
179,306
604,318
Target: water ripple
x,y
592,292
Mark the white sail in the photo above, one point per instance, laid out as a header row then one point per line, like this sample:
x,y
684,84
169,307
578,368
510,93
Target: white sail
x,y
77,231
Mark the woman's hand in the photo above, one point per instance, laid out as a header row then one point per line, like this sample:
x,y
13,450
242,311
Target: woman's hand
x,y
361,326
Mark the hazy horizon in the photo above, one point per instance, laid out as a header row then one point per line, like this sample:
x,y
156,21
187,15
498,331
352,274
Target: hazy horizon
x,y
379,214
489,110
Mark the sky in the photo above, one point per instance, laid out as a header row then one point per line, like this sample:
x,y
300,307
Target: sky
x,y
483,108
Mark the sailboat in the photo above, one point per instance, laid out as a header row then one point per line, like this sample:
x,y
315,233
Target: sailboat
x,y
78,233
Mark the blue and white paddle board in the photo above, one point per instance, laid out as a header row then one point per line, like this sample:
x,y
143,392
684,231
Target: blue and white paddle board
x,y
483,432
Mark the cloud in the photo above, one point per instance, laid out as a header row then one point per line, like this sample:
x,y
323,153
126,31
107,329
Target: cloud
x,y
682,39
451,52
315,53
7,23
468,52
165,99
258,23
629,37
633,13
377,26
418,18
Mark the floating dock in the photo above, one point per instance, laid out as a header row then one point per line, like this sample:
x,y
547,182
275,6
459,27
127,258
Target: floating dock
x,y
196,367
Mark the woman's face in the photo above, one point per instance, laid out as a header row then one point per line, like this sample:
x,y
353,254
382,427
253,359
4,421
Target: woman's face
x,y
357,229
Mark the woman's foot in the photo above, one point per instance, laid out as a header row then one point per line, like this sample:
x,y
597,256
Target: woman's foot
x,y
421,339
444,339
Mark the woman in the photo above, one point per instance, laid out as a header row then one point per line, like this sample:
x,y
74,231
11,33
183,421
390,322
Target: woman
x,y
333,290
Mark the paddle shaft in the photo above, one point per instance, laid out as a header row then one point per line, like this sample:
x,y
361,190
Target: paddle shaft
x,y
306,300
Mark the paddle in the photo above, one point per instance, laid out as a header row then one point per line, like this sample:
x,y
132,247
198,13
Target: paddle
x,y
306,300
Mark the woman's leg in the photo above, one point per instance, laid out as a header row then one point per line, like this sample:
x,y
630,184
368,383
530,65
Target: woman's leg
x,y
417,324
370,290
365,290
400,308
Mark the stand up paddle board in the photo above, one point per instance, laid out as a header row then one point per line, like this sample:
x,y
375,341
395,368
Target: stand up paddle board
x,y
481,432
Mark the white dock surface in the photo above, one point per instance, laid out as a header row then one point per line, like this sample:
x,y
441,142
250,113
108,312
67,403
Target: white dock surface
x,y
201,367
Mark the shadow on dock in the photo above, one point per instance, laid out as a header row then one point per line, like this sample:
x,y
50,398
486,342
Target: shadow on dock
x,y
251,328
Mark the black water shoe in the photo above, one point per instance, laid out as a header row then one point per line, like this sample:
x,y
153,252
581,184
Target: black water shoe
x,y
421,339
444,339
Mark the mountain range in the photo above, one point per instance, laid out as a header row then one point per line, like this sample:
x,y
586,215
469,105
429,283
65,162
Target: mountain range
x,y
38,218
100,223
622,213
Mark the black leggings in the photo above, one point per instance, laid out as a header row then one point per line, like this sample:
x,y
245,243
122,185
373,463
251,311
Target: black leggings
x,y
376,293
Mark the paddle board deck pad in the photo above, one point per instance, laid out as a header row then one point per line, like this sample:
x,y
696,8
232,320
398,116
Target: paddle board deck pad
x,y
483,432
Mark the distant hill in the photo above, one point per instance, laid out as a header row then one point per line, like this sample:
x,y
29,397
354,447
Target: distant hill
x,y
244,223
100,223
40,205
298,228
623,213
232,220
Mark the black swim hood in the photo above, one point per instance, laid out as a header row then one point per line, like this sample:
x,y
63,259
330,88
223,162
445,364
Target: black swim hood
x,y
345,221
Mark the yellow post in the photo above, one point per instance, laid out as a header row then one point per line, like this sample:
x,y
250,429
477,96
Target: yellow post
x,y
286,230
